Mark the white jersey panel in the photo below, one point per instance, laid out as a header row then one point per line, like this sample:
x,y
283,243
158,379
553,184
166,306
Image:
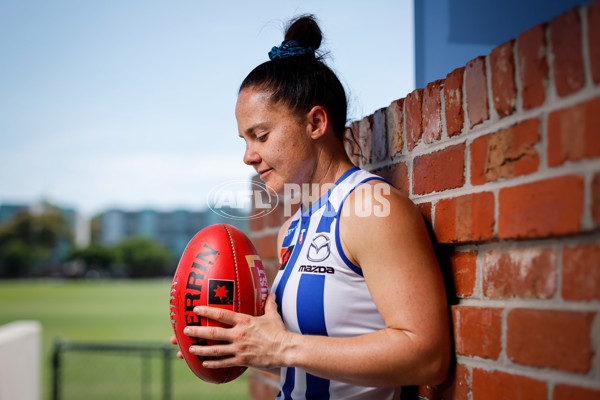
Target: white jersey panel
x,y
320,292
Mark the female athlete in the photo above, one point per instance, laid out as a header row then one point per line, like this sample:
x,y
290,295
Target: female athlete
x,y
358,307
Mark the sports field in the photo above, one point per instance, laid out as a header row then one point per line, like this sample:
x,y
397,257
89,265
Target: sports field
x,y
105,311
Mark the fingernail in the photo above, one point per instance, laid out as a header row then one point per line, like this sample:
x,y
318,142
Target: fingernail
x,y
192,350
186,331
196,309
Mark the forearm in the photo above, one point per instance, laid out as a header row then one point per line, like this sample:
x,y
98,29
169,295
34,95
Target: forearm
x,y
384,358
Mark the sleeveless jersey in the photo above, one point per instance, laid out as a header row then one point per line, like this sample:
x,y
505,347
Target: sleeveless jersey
x,y
319,291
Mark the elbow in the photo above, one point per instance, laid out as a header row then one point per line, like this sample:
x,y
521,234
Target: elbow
x,y
438,370
438,365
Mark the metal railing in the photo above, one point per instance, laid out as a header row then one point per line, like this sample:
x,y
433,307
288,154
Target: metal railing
x,y
145,352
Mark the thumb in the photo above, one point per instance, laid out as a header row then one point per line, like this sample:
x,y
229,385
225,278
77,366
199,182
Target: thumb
x,y
270,304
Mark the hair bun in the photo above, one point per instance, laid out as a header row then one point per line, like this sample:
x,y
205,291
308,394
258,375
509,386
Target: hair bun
x,y
305,30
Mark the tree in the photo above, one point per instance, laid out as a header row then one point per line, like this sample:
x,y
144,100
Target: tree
x,y
31,241
142,257
95,257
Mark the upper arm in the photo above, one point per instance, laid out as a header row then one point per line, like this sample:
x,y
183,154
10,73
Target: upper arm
x,y
394,251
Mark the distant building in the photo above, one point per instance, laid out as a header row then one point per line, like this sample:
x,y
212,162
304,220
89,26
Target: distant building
x,y
173,229
77,223
9,211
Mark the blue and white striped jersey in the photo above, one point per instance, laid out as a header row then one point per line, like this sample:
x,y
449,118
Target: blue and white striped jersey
x,y
320,292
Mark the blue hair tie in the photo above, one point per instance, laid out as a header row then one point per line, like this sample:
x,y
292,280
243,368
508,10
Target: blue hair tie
x,y
289,48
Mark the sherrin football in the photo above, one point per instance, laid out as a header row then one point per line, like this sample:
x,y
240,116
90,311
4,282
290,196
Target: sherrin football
x,y
218,268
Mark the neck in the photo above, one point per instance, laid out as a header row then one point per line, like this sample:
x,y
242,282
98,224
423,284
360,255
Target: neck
x,y
331,163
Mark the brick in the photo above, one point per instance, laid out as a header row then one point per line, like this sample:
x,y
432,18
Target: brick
x,y
581,272
595,206
504,90
593,39
266,245
453,101
545,208
351,143
440,170
262,385
426,392
397,175
365,139
413,115
477,331
568,392
457,386
276,218
379,136
533,66
271,268
476,91
256,221
464,272
496,385
432,105
395,126
425,209
550,339
526,273
565,40
465,218
573,133
507,153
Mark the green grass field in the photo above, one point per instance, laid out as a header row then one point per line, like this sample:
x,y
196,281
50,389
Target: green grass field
x,y
105,311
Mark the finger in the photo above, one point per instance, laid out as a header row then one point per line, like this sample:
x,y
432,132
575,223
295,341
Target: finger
x,y
207,332
217,314
221,363
173,339
212,351
180,355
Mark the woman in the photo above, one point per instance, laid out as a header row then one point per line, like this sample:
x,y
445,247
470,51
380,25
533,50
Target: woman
x,y
358,307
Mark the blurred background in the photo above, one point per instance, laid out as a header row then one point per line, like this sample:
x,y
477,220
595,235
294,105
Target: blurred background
x,y
116,121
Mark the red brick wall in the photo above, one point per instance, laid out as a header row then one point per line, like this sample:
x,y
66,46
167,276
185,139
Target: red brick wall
x,y
503,159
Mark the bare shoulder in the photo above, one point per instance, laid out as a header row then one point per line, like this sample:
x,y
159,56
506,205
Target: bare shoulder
x,y
376,213
377,203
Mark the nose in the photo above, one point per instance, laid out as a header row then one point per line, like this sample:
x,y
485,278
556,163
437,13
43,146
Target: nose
x,y
251,157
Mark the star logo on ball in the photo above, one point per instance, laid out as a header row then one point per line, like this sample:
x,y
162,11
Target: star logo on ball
x,y
220,291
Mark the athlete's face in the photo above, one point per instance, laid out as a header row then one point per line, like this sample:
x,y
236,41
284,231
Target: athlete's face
x,y
278,143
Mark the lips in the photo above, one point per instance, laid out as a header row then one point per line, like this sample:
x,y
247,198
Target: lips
x,y
264,172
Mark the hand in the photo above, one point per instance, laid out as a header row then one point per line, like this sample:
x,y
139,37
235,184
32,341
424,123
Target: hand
x,y
252,341
174,341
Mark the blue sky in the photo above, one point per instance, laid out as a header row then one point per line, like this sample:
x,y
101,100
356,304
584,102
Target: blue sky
x,y
130,104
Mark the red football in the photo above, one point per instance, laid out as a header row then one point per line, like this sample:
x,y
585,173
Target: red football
x,y
220,268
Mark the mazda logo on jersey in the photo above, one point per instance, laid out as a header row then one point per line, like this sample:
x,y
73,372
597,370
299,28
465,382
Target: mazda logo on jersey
x,y
319,248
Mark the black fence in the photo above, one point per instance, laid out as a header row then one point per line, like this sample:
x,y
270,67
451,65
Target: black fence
x,y
111,371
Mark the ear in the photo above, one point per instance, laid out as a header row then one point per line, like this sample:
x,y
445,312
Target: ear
x,y
318,122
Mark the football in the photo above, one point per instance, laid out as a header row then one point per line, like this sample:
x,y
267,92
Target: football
x,y
219,268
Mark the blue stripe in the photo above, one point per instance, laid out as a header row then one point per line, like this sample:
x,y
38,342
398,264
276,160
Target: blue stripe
x,y
290,266
309,306
288,386
325,198
311,321
338,242
326,219
289,235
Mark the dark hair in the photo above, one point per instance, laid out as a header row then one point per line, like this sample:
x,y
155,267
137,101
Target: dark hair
x,y
304,81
